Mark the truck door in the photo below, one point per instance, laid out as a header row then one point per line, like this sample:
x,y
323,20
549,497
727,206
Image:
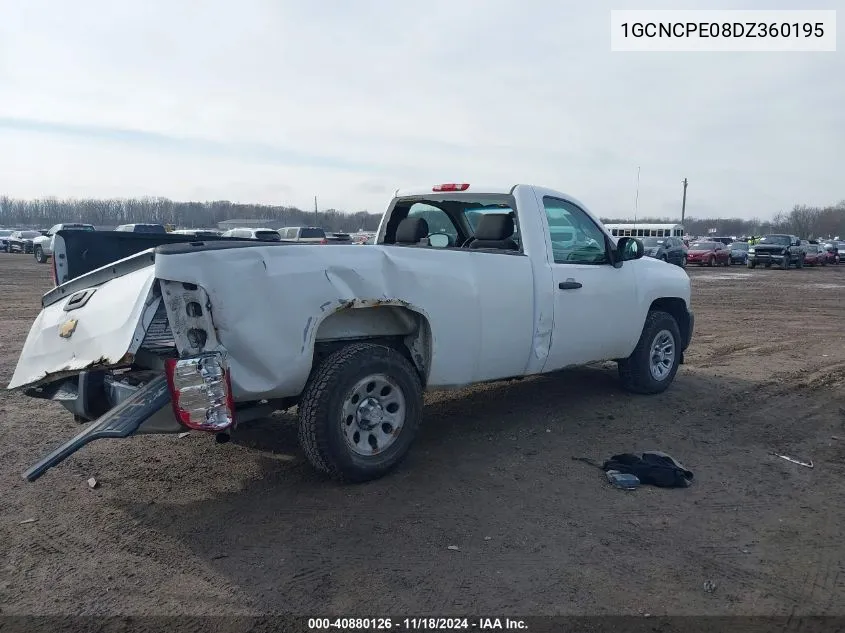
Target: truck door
x,y
592,317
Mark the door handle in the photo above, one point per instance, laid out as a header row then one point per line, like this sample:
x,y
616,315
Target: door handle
x,y
569,284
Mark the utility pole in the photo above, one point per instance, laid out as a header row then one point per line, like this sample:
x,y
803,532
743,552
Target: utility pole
x,y
316,219
637,196
684,203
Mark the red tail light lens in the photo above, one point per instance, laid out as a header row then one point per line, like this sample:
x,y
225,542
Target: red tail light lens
x,y
451,187
324,241
201,391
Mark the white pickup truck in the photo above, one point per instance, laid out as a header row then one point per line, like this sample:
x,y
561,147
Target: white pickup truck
x,y
42,247
463,285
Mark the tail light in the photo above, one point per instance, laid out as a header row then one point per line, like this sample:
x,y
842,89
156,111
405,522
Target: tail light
x,y
324,241
451,187
201,391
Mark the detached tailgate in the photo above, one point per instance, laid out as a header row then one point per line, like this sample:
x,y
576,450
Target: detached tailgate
x,y
98,325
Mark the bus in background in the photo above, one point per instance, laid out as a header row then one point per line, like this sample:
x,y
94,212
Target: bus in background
x,y
638,229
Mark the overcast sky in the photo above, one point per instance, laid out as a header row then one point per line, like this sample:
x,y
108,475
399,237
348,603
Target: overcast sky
x,y
276,101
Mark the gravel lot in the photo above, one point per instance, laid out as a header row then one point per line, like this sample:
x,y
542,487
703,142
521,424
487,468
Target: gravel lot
x,y
186,526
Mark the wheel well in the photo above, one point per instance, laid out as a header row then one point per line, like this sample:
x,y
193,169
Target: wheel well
x,y
677,307
396,326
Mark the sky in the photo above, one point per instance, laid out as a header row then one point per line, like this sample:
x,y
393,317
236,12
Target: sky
x,y
278,101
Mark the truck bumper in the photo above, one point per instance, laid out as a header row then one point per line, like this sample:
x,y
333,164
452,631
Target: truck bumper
x,y
121,421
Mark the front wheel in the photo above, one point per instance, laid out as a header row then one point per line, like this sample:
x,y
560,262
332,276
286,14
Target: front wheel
x,y
751,264
684,261
652,366
799,263
360,412
39,255
711,262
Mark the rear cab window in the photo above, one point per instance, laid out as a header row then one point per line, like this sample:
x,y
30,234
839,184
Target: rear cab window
x,y
268,236
457,216
312,233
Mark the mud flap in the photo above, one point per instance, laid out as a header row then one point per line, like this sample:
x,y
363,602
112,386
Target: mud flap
x,y
121,421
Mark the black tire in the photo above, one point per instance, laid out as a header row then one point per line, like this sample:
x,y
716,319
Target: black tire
x,y
711,262
684,261
751,264
663,258
39,255
322,433
635,371
799,263
785,264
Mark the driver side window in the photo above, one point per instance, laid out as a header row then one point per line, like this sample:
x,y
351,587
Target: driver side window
x,y
575,237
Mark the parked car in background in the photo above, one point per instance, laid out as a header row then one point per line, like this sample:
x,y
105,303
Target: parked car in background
x,y
338,238
142,228
362,236
307,234
668,249
708,253
262,235
780,249
21,241
723,239
738,252
4,236
42,246
814,255
196,232
832,251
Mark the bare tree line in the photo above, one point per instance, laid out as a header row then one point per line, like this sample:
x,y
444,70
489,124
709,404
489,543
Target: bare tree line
x,y
804,221
44,212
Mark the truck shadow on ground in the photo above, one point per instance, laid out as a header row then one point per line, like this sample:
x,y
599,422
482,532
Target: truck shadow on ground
x,y
491,474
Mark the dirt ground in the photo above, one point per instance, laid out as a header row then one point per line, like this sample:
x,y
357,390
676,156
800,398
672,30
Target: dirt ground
x,y
187,526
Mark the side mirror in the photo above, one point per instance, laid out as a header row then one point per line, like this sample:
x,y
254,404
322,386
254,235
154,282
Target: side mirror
x,y
628,248
438,240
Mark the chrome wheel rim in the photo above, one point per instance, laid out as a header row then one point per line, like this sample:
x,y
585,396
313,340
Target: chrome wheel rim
x,y
373,415
662,357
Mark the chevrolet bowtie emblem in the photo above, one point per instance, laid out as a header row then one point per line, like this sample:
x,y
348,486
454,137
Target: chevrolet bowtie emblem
x,y
67,328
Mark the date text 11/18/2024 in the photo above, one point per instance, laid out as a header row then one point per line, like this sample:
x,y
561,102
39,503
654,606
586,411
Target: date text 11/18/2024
x,y
415,624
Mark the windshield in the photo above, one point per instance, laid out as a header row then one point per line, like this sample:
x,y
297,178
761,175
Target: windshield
x,y
775,239
5,233
653,241
268,236
149,228
702,246
311,232
30,234
739,246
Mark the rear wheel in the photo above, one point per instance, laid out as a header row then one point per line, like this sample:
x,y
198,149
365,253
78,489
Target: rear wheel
x,y
360,412
712,261
39,255
799,263
751,264
652,366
